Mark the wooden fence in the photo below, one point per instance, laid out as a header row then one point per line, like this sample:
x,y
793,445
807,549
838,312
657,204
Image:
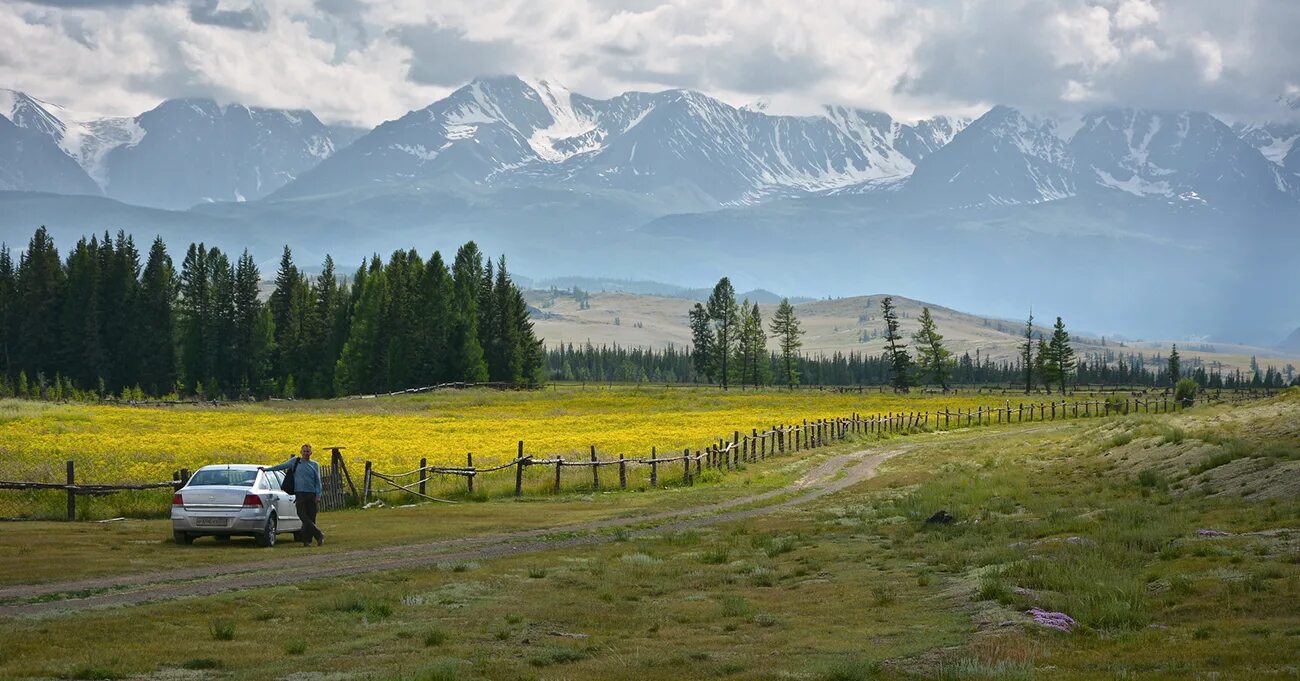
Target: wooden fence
x,y
337,489
725,455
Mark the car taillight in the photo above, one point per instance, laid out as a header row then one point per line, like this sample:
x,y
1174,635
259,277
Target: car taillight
x,y
177,500
252,500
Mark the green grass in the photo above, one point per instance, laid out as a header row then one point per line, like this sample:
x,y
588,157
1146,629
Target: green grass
x,y
853,586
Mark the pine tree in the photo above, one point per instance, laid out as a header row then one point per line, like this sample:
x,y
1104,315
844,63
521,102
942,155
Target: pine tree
x,y
1060,361
785,326
1175,365
156,326
8,312
725,317
247,310
327,328
435,321
1041,365
1027,354
195,316
39,284
932,356
757,358
359,368
702,340
83,356
900,362
286,313
467,361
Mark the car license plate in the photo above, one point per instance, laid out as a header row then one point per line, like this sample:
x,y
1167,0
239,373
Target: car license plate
x,y
211,522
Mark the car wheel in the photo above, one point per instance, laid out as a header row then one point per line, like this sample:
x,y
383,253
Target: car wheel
x,y
183,538
267,537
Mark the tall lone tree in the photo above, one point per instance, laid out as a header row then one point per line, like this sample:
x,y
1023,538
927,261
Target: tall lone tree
x,y
900,362
1027,353
1060,356
932,357
785,326
725,315
1175,365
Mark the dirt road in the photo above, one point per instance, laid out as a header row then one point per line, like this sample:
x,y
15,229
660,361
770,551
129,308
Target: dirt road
x,y
835,474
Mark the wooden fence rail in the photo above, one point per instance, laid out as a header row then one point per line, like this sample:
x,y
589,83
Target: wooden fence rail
x,y
336,485
730,454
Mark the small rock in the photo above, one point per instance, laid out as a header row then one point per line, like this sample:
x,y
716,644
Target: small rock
x,y
1211,533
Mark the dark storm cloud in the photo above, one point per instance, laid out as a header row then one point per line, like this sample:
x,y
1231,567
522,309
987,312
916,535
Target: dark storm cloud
x,y
252,18
445,56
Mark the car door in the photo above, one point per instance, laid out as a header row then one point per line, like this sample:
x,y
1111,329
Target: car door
x,y
284,506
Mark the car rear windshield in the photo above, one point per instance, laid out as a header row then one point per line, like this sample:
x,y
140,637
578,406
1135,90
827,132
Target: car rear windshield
x,y
216,476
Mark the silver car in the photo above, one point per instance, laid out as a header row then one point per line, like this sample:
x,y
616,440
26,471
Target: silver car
x,y
234,499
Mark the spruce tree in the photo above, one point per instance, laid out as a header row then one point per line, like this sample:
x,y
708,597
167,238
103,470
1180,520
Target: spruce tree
x,y
434,321
156,310
39,284
1042,366
359,368
725,317
1027,354
467,361
1175,365
932,356
247,320
1060,356
702,340
900,362
8,312
785,326
194,316
83,356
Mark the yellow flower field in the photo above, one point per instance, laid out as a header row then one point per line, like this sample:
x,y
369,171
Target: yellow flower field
x,y
128,444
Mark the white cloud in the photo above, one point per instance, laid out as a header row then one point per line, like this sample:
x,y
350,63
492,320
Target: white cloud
x,y
366,61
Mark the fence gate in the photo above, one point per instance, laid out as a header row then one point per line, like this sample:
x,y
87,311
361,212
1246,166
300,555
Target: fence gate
x,y
336,484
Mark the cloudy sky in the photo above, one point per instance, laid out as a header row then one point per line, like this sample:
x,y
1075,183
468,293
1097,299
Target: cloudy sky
x,y
366,61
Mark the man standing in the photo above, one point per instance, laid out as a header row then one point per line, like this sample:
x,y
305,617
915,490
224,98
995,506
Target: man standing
x,y
307,487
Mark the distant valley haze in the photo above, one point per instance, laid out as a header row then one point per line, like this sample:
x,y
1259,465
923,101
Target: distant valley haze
x,y
1130,165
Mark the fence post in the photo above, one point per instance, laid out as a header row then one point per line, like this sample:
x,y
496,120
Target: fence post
x,y
595,469
622,472
753,445
469,463
424,463
559,461
365,486
519,471
735,449
699,456
654,467
686,465
72,494
185,478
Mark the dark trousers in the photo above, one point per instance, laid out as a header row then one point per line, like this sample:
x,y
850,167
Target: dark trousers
x,y
307,507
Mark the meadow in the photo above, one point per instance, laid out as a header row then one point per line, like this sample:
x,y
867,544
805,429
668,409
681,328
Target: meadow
x,y
120,443
1135,526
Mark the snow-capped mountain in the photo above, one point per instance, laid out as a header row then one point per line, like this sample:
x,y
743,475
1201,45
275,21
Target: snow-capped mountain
x,y
1002,158
677,145
87,138
196,150
1189,156
32,157
184,151
31,161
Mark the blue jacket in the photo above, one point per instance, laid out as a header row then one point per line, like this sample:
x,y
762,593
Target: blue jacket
x,y
306,478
